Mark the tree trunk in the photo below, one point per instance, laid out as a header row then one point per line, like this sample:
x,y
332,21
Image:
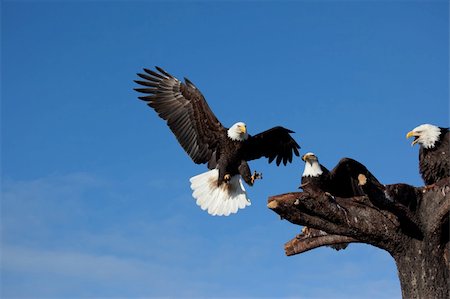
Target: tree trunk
x,y
412,224
422,271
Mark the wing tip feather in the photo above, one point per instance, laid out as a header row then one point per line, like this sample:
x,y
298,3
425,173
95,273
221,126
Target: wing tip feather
x,y
162,71
144,98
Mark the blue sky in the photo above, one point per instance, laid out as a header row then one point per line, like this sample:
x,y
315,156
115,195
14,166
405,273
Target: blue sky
x,y
95,189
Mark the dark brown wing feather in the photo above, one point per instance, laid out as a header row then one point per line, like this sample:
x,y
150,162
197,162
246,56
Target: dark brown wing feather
x,y
343,178
275,143
184,108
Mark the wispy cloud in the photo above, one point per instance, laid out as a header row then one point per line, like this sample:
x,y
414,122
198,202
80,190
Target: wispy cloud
x,y
66,236
61,273
74,264
80,236
56,227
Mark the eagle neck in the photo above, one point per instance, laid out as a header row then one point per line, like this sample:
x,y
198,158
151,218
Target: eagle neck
x,y
431,138
236,136
312,169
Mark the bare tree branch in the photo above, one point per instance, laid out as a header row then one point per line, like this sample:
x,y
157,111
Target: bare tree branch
x,y
412,224
301,244
345,217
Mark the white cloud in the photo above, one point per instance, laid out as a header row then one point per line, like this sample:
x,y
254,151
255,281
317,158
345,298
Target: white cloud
x,y
74,264
79,236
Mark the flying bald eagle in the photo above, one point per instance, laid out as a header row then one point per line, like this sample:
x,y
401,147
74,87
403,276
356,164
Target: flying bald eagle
x,y
344,180
434,153
226,150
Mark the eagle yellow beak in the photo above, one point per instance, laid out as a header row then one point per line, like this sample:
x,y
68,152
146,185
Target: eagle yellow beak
x,y
305,156
413,134
243,129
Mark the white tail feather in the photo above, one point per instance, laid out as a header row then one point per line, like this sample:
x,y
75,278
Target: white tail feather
x,y
220,200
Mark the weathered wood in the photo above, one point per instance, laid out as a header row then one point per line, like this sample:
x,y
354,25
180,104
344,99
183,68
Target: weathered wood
x,y
299,245
412,224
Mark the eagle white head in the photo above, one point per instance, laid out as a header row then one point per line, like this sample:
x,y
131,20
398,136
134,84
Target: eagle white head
x,y
312,166
426,135
238,132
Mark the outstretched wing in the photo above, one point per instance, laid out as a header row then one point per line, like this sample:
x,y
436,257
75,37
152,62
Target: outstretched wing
x,y
344,178
273,143
184,108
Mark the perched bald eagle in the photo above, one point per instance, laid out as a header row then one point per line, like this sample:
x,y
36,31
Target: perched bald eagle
x,y
226,150
434,152
344,180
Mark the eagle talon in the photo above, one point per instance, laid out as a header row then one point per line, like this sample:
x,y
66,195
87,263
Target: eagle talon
x,y
227,178
444,190
255,176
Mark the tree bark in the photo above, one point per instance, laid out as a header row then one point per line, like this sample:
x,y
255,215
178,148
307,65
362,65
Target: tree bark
x,y
411,223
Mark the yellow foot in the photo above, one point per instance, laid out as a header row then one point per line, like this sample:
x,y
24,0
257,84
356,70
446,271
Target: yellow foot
x,y
227,178
255,176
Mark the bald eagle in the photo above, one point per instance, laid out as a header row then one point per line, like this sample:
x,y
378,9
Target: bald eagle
x,y
225,150
434,152
344,180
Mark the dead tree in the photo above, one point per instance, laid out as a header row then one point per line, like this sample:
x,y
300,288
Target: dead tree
x,y
410,223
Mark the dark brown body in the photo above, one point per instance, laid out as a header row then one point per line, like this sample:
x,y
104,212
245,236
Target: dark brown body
x,y
434,162
229,160
342,180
